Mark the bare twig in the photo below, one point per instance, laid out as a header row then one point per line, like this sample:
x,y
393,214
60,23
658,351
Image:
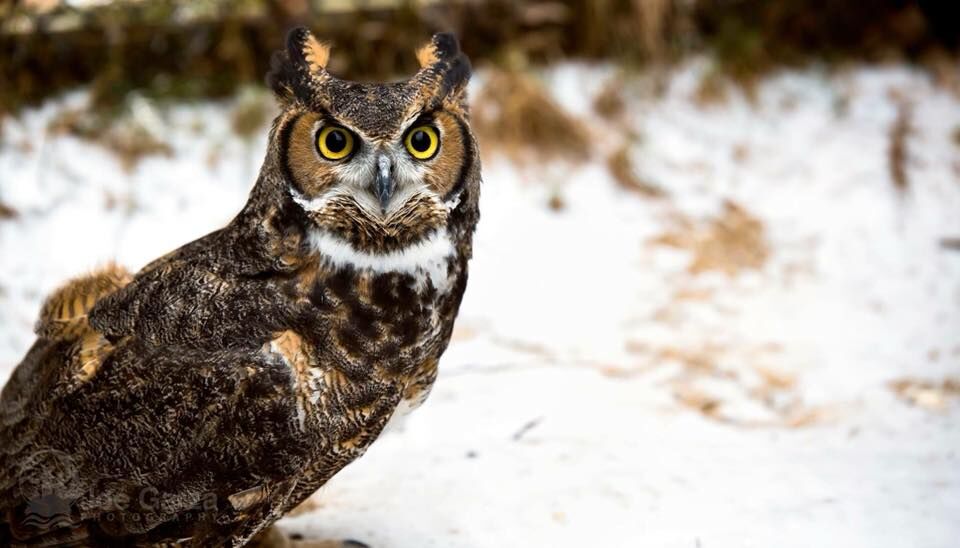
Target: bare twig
x,y
530,425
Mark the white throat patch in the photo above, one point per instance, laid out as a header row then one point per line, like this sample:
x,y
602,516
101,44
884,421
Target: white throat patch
x,y
426,259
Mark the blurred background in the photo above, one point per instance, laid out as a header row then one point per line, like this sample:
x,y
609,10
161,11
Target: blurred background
x,y
715,298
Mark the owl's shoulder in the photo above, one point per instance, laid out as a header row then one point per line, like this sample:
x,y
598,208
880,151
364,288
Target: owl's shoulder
x,y
215,292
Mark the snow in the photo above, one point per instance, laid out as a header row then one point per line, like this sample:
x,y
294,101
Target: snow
x,y
597,391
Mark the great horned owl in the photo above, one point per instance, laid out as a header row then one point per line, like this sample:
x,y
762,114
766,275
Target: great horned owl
x,y
197,401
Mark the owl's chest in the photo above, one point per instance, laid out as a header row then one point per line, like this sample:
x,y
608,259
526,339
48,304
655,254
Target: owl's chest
x,y
380,340
389,323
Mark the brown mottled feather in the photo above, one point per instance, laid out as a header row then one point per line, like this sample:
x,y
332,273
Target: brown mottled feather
x,y
194,403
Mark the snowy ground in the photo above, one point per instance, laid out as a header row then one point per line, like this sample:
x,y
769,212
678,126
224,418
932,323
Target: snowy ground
x,y
769,355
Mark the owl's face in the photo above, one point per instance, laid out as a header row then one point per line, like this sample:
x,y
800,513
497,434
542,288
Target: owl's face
x,y
376,167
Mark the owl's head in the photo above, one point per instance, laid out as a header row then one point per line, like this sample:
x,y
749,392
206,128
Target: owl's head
x,y
378,168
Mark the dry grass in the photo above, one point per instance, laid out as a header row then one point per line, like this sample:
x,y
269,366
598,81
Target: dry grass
x,y
251,113
653,17
624,173
762,397
730,243
172,50
930,395
713,89
698,400
609,103
122,135
942,67
515,116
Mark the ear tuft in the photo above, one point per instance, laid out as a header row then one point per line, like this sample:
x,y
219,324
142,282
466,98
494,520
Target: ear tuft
x,y
441,47
446,44
296,70
444,70
304,48
426,55
281,76
457,74
314,53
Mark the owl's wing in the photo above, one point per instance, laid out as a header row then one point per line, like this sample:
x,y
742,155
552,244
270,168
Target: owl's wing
x,y
154,433
88,420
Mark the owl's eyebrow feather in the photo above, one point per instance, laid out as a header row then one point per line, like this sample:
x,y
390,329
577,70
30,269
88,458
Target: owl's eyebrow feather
x,y
416,114
421,117
327,119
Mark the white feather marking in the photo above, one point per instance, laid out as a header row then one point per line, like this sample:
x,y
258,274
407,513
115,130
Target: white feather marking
x,y
316,385
426,259
310,204
452,203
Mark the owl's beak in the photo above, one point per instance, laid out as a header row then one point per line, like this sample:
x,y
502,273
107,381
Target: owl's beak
x,y
384,185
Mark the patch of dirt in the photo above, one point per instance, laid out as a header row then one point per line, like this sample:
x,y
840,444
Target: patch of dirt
x,y
733,242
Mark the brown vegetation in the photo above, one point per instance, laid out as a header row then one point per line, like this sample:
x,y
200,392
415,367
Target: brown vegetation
x,y
930,395
623,172
124,136
251,113
730,243
609,103
175,48
758,397
513,114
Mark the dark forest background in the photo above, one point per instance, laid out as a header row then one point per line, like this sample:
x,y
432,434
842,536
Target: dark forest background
x,y
207,48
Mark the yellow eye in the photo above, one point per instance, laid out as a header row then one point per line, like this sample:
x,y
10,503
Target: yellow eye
x,y
422,142
335,143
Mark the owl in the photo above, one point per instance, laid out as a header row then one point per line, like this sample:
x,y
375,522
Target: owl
x,y
195,402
